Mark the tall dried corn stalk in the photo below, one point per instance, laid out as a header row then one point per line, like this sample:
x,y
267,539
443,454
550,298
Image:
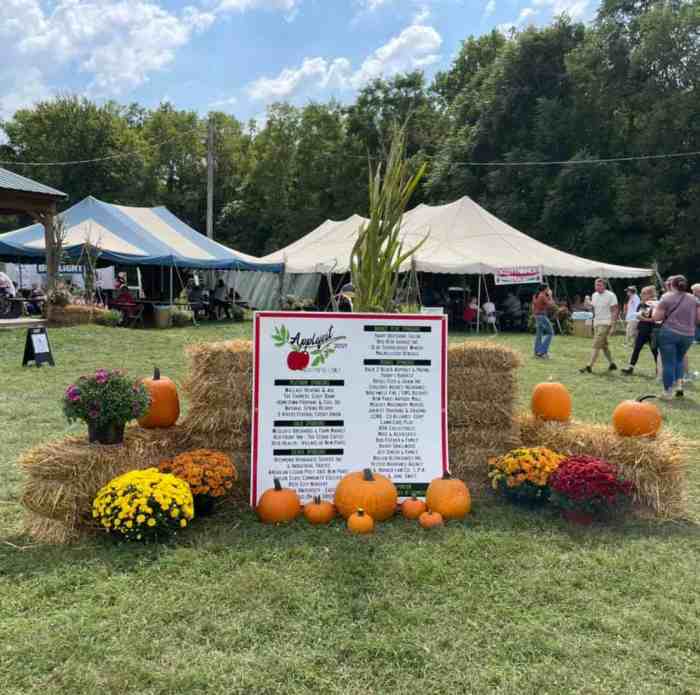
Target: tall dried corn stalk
x,y
378,252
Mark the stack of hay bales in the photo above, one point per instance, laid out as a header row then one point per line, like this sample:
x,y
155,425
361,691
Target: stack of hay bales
x,y
62,478
219,392
657,466
74,314
481,397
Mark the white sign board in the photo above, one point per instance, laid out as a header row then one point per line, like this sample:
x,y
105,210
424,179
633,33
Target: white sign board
x,y
438,310
518,275
40,343
338,392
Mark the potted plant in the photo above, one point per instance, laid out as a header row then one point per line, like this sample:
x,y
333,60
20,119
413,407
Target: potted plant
x,y
523,474
106,401
210,475
586,488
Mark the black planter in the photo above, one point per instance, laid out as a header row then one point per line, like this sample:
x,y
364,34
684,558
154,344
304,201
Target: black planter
x,y
112,433
204,505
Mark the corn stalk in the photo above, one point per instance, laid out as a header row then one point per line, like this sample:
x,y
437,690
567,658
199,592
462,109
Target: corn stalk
x,y
378,252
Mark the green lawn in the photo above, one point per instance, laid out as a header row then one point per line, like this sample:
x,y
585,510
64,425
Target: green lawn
x,y
508,602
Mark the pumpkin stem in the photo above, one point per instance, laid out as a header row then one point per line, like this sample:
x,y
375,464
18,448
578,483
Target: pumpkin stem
x,y
156,374
317,499
367,474
644,398
360,511
278,485
447,475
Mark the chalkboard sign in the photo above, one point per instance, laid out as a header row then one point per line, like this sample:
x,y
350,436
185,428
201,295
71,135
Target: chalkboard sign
x,y
37,348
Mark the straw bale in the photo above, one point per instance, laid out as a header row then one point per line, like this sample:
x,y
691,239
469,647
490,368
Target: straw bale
x,y
73,314
471,384
657,466
476,415
484,355
471,465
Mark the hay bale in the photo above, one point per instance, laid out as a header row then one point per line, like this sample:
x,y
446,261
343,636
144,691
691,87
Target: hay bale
x,y
484,355
656,466
73,314
62,477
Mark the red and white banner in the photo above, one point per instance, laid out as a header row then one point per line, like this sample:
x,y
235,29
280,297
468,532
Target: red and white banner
x,y
338,392
518,275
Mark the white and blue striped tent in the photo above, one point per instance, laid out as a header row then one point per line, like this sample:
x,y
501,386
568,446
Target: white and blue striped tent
x,y
130,236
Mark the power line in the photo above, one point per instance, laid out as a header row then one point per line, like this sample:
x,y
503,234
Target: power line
x,y
116,155
569,162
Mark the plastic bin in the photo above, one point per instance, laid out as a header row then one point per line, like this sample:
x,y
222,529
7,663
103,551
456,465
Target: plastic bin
x,y
162,315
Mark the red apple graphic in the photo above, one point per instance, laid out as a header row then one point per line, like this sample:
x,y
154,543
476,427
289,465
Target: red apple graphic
x,y
304,359
293,360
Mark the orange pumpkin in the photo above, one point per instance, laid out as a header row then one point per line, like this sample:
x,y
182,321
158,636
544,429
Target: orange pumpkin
x,y
637,418
164,409
278,505
551,401
412,508
448,496
360,522
319,512
375,493
430,519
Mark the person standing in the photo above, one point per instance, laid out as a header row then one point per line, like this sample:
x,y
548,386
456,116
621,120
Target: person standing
x,y
695,289
679,313
605,313
631,309
645,328
542,304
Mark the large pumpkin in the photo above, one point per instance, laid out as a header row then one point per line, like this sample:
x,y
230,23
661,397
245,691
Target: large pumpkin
x,y
449,496
551,401
370,491
637,418
278,505
164,409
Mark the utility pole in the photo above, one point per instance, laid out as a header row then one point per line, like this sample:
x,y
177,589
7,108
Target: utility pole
x,y
210,178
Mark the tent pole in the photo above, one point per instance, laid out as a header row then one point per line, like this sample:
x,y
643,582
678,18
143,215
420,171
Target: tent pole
x,y
20,275
478,302
171,285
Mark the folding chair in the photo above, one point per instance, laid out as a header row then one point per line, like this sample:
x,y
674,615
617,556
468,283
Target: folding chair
x,y
136,317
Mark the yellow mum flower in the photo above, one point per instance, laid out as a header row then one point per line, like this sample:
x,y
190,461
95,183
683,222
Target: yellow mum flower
x,y
151,522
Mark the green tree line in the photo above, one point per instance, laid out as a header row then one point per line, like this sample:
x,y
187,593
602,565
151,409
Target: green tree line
x,y
625,85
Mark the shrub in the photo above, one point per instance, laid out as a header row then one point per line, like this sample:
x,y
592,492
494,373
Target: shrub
x,y
207,472
105,397
109,317
144,505
588,484
523,474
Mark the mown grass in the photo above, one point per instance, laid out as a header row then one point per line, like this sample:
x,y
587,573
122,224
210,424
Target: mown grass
x,y
510,601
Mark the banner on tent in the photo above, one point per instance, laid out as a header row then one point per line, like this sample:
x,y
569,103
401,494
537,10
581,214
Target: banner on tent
x,y
63,268
518,275
334,393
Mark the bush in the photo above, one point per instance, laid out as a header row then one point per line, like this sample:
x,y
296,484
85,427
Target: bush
x,y
523,474
105,397
181,317
144,505
109,317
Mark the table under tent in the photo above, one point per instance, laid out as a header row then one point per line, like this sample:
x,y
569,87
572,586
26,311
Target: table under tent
x,y
160,247
463,239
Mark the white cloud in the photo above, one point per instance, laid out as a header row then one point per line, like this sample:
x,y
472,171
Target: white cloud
x,y
525,13
576,9
422,15
415,47
223,103
372,5
288,6
490,8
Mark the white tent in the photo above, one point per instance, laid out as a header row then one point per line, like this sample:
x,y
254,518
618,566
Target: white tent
x,y
462,239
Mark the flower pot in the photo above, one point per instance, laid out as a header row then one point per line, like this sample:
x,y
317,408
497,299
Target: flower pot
x,y
111,433
204,505
577,517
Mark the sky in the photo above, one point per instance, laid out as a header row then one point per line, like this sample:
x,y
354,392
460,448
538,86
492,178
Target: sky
x,y
238,56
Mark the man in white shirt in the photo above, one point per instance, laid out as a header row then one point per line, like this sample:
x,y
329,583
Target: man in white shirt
x,y
605,313
631,314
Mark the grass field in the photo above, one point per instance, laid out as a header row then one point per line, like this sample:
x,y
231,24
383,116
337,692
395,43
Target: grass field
x,y
510,601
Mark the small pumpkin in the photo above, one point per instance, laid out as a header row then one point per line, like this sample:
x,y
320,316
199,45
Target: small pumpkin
x,y
164,409
319,511
412,508
360,522
637,418
373,492
551,401
448,496
430,519
278,505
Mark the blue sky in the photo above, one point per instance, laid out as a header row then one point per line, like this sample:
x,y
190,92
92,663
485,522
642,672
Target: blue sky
x,y
237,55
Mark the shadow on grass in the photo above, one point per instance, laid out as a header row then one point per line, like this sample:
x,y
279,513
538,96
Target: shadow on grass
x,y
238,532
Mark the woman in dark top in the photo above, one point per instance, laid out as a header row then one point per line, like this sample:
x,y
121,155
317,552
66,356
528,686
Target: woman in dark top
x,y
645,328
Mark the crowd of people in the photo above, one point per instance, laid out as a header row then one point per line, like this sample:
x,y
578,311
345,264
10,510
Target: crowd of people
x,y
668,326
